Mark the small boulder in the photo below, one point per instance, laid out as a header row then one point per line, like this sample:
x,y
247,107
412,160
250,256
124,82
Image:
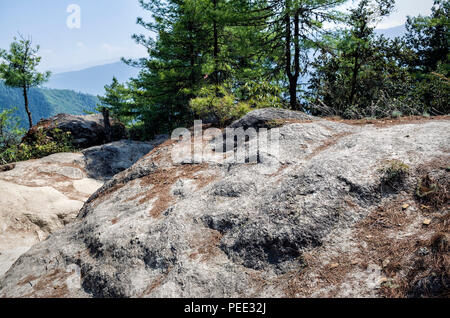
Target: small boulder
x,y
103,162
7,167
87,130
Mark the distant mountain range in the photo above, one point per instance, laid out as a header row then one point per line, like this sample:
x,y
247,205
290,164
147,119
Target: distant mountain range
x,y
392,32
93,79
45,102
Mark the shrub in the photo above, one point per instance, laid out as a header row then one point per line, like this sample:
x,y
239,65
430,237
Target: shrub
x,y
394,172
433,191
216,104
260,94
396,114
42,146
10,132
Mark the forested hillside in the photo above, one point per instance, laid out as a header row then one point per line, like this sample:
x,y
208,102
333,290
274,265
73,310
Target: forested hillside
x,y
45,102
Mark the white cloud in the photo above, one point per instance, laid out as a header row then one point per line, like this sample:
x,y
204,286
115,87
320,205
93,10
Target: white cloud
x,y
404,8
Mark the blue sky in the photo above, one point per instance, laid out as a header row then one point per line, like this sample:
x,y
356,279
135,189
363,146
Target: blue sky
x,y
403,8
106,28
105,33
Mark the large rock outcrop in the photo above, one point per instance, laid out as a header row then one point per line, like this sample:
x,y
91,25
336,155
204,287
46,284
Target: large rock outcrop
x,y
323,218
40,196
86,130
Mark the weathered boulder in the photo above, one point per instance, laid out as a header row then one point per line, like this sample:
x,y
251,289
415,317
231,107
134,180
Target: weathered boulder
x,y
86,130
105,161
40,196
308,222
270,117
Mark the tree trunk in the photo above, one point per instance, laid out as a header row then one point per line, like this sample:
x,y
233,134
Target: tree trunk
x,y
107,124
216,49
27,109
293,77
354,79
296,75
293,93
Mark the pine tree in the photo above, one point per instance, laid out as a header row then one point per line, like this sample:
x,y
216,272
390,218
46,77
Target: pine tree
x,y
360,74
198,43
172,73
19,68
429,37
293,28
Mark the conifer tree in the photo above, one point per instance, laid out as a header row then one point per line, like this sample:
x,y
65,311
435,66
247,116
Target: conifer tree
x,y
18,68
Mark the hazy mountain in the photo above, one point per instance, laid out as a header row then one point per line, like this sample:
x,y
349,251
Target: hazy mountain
x,y
392,32
92,80
45,102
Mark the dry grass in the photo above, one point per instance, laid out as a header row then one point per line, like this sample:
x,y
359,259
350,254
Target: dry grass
x,y
401,266
281,122
387,122
207,245
433,193
52,285
327,144
389,238
161,181
156,283
159,152
412,273
396,248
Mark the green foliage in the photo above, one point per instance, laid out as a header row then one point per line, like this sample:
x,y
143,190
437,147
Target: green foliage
x,y
18,68
119,100
64,101
394,172
261,94
158,99
431,91
357,73
218,105
10,132
218,59
429,38
221,105
293,28
213,43
361,75
44,144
